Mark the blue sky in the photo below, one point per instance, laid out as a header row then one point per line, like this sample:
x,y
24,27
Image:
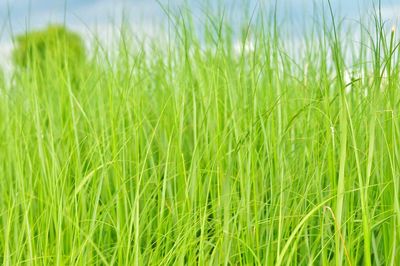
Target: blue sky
x,y
22,14
145,15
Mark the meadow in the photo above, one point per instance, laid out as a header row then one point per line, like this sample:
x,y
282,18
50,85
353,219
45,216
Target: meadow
x,y
194,151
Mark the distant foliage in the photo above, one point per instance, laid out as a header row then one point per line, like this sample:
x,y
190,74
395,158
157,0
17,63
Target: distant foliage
x,y
55,48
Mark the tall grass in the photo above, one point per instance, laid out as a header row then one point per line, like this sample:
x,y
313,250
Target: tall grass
x,y
193,151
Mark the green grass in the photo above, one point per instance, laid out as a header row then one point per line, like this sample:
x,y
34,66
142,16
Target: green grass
x,y
187,152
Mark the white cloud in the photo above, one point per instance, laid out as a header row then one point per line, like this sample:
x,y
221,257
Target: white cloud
x,y
391,13
5,54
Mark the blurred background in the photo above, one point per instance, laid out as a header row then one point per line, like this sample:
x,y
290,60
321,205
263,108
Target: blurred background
x,y
146,17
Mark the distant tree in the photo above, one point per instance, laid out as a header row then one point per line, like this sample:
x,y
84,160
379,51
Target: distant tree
x,y
54,48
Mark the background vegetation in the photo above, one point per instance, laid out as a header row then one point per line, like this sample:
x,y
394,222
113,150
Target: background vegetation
x,y
50,50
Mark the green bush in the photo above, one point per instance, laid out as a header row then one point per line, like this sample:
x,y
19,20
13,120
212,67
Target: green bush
x,y
52,49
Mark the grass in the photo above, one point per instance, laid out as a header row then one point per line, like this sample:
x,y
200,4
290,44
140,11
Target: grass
x,y
192,152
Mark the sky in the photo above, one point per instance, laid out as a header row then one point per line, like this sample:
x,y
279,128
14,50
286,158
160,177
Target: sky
x,y
145,16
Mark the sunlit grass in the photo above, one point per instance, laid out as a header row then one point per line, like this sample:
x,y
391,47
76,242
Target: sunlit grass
x,y
197,151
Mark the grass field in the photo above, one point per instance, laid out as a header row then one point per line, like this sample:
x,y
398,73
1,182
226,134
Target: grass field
x,y
192,151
